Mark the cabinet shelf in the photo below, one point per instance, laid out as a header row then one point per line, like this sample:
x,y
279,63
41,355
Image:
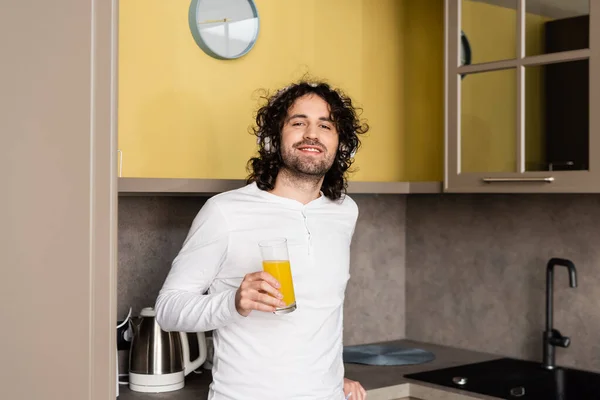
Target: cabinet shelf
x,y
166,186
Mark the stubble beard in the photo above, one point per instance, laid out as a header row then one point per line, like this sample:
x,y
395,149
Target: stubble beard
x,y
303,168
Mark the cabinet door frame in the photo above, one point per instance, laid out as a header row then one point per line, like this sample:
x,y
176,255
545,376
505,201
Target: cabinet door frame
x,y
521,181
103,382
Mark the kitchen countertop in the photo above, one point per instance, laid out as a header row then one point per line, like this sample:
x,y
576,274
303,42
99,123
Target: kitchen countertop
x,y
381,382
196,388
389,383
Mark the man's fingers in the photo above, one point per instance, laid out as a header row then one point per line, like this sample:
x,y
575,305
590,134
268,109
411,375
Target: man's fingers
x,y
265,276
254,276
270,300
267,288
362,391
262,282
247,304
258,291
265,298
262,307
262,276
251,296
358,392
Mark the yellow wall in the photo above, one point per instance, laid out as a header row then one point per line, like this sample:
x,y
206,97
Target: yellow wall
x,y
185,114
488,100
423,91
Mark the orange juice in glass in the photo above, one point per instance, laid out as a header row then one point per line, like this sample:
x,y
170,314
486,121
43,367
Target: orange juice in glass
x,y
276,262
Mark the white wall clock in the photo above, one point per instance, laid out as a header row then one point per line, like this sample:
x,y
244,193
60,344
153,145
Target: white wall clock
x,y
224,29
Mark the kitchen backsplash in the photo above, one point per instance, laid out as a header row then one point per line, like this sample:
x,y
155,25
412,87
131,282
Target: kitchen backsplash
x,y
476,273
475,268
152,230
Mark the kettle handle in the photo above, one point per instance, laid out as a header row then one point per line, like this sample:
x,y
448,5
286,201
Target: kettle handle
x,y
189,365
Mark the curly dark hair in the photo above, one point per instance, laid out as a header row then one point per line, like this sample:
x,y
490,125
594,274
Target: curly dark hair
x,y
263,168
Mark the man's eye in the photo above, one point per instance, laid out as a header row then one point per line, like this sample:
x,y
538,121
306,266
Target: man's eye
x,y
326,127
297,124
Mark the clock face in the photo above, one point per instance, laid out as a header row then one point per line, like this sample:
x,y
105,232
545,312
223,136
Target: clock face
x,y
224,29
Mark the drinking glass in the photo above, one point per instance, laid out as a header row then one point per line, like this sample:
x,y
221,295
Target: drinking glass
x,y
276,261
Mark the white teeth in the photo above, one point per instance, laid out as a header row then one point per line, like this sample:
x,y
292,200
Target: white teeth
x,y
311,149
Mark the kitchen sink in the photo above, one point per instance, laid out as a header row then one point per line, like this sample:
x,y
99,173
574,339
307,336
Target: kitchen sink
x,y
509,378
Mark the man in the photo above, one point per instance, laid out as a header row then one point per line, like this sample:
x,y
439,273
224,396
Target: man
x,y
307,136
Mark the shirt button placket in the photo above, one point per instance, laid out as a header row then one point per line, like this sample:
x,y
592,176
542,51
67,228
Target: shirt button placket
x,y
309,237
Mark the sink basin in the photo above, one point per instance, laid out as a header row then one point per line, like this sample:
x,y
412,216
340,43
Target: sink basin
x,y
509,378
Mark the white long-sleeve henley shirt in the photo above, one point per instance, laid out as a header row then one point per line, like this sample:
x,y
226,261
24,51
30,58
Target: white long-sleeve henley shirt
x,y
296,356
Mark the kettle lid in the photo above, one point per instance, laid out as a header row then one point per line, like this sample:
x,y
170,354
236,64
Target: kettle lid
x,y
148,312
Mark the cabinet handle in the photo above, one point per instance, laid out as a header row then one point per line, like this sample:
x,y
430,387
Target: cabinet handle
x,y
546,179
120,162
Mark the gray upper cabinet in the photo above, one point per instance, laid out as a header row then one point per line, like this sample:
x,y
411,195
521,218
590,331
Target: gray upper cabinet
x,y
522,109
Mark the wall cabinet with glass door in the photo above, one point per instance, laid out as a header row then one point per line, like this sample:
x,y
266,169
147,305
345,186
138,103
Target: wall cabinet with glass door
x,y
522,106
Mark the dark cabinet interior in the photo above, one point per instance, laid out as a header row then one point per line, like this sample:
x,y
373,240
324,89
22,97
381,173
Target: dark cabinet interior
x,y
567,96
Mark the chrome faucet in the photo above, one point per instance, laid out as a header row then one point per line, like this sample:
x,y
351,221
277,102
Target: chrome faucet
x,y
553,337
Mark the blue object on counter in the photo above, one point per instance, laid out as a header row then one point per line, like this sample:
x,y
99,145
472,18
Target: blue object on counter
x,y
385,354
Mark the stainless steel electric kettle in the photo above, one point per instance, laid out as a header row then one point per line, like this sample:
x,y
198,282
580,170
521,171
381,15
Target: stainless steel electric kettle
x,y
159,361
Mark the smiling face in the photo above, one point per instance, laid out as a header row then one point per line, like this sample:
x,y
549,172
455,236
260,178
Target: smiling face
x,y
309,139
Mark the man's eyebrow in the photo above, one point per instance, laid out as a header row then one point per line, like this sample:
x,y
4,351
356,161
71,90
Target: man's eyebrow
x,y
298,116
304,116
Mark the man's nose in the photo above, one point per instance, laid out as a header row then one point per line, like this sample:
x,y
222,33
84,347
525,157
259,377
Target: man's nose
x,y
312,132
